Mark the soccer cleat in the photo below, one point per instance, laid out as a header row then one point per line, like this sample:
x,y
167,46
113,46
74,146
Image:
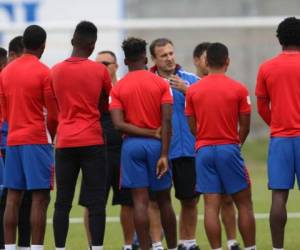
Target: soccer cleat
x,y
236,246
135,247
182,247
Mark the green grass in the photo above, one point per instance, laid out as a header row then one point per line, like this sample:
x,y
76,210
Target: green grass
x,y
255,153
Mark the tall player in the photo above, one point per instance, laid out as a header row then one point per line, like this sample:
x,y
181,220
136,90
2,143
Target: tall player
x,y
278,95
218,109
182,154
227,210
141,103
78,83
15,50
28,102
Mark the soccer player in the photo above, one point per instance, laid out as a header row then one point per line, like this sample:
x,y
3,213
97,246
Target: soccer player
x,y
3,58
15,50
113,142
28,102
182,154
218,109
278,95
78,83
140,104
227,209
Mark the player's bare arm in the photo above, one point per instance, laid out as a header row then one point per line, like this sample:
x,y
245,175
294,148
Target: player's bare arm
x,y
263,107
120,124
244,127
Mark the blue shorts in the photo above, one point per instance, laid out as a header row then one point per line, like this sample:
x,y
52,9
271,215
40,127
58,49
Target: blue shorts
x,y
283,162
29,167
139,157
221,169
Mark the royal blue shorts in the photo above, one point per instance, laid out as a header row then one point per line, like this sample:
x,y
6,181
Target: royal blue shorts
x,y
284,162
221,169
139,157
29,167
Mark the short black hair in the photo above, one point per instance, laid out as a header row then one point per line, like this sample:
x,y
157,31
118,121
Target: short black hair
x,y
134,48
16,45
3,53
217,55
288,32
85,35
160,42
200,48
34,37
108,52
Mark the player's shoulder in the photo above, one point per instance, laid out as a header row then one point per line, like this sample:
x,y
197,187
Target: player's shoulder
x,y
268,63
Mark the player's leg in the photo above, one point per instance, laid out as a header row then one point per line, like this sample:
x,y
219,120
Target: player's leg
x,y
3,192
162,188
15,181
184,176
281,174
127,224
228,215
24,228
155,222
66,170
135,176
235,178
94,174
209,183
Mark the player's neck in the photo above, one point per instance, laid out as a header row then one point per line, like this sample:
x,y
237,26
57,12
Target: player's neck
x,y
80,53
220,71
291,48
200,73
33,52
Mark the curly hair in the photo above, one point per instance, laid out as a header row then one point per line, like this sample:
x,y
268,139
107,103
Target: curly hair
x,y
134,48
288,32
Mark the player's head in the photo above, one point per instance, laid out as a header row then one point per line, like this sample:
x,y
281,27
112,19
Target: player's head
x,y
162,54
85,37
199,56
109,59
15,48
217,56
135,52
288,32
3,58
34,40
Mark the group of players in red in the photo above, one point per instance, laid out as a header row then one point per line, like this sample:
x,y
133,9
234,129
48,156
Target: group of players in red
x,y
175,128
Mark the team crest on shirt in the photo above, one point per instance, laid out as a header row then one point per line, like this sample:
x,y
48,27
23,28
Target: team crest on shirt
x,y
248,100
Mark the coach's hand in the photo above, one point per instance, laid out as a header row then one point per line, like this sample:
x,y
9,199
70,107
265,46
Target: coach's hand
x,y
177,83
162,166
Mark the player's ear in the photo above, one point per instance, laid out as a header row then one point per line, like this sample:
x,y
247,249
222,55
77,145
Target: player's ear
x,y
227,61
72,41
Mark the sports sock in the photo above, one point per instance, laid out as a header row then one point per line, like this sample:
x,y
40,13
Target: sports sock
x,y
231,242
10,247
60,248
173,248
37,247
277,248
23,248
127,247
217,248
157,245
189,243
250,248
97,247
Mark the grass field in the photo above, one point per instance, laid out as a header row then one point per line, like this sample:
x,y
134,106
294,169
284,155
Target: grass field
x,y
255,156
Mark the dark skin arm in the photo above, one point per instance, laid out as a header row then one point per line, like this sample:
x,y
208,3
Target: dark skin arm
x,y
166,132
244,127
120,124
263,107
192,124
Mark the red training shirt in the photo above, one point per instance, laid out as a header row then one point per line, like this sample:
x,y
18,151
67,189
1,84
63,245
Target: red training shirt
x,y
140,95
78,83
216,102
279,81
28,101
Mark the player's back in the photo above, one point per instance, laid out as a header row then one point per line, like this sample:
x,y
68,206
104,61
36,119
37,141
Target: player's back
x,y
279,80
142,93
77,84
217,101
24,82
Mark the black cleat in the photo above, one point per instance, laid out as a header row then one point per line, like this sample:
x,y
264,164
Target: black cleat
x,y
236,246
182,247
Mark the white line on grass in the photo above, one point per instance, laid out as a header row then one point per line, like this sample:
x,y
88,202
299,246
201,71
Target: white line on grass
x,y
258,216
